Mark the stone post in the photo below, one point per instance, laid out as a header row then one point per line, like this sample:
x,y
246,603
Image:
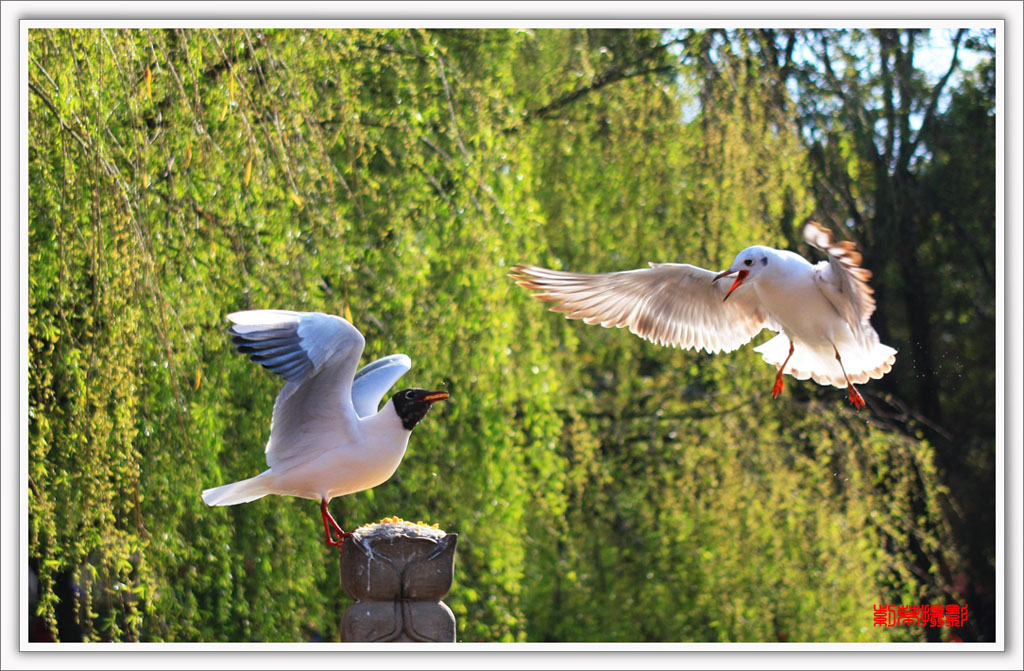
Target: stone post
x,y
397,573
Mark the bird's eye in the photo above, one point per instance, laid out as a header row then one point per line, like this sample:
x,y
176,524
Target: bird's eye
x,y
409,394
748,262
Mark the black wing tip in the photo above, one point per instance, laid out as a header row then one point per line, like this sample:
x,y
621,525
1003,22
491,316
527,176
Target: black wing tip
x,y
290,371
279,350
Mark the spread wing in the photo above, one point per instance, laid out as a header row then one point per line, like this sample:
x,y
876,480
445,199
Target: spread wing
x,y
842,279
317,355
373,381
672,304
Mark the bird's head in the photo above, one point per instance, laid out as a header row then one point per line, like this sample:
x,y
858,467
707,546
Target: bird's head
x,y
749,263
412,404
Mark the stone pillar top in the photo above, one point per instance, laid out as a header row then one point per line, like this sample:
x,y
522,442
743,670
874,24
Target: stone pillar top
x,y
392,527
397,572
395,559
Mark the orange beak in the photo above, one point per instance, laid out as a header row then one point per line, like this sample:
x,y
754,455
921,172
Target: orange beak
x,y
740,276
435,396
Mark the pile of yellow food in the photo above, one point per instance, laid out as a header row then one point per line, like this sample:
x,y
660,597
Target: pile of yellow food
x,y
396,526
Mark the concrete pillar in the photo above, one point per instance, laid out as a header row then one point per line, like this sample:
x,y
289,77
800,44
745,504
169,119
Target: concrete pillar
x,y
397,573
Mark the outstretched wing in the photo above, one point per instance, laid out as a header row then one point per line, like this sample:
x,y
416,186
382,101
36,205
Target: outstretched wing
x,y
843,281
373,381
317,354
671,304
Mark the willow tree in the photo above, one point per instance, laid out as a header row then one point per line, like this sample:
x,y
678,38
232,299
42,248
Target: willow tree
x,y
603,488
900,138
179,175
698,509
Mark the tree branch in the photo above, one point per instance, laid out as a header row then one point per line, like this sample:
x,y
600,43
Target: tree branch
x,y
56,114
610,76
933,103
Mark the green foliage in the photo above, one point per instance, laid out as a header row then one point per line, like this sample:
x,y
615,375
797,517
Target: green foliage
x,y
602,488
903,137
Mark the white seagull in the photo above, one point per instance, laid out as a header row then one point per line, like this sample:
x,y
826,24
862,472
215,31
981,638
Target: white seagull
x,y
327,437
821,312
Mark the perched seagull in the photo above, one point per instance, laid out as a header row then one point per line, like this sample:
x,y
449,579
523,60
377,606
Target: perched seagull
x,y
821,311
327,437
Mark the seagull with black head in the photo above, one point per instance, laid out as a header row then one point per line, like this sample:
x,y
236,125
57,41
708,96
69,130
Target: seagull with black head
x,y
327,436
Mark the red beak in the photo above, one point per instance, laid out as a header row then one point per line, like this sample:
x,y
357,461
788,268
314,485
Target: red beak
x,y
435,396
740,276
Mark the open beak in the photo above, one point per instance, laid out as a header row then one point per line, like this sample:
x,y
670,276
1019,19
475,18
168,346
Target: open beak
x,y
435,396
740,276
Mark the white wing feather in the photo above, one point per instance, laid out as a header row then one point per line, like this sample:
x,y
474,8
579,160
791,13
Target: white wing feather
x,y
317,354
373,381
844,282
672,304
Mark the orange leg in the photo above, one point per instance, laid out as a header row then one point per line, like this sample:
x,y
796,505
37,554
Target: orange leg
x,y
330,523
777,387
855,397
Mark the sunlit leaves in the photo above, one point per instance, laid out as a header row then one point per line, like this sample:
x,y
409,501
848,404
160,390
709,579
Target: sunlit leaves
x,y
603,488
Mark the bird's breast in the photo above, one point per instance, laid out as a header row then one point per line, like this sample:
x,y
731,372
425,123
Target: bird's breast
x,y
799,306
336,466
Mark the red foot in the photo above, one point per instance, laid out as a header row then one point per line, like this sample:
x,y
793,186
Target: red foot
x,y
330,523
777,389
856,398
340,541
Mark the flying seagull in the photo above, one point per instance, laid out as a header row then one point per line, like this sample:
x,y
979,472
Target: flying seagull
x,y
821,312
327,437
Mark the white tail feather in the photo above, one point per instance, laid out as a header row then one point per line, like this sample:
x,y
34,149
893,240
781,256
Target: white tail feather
x,y
242,491
819,363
